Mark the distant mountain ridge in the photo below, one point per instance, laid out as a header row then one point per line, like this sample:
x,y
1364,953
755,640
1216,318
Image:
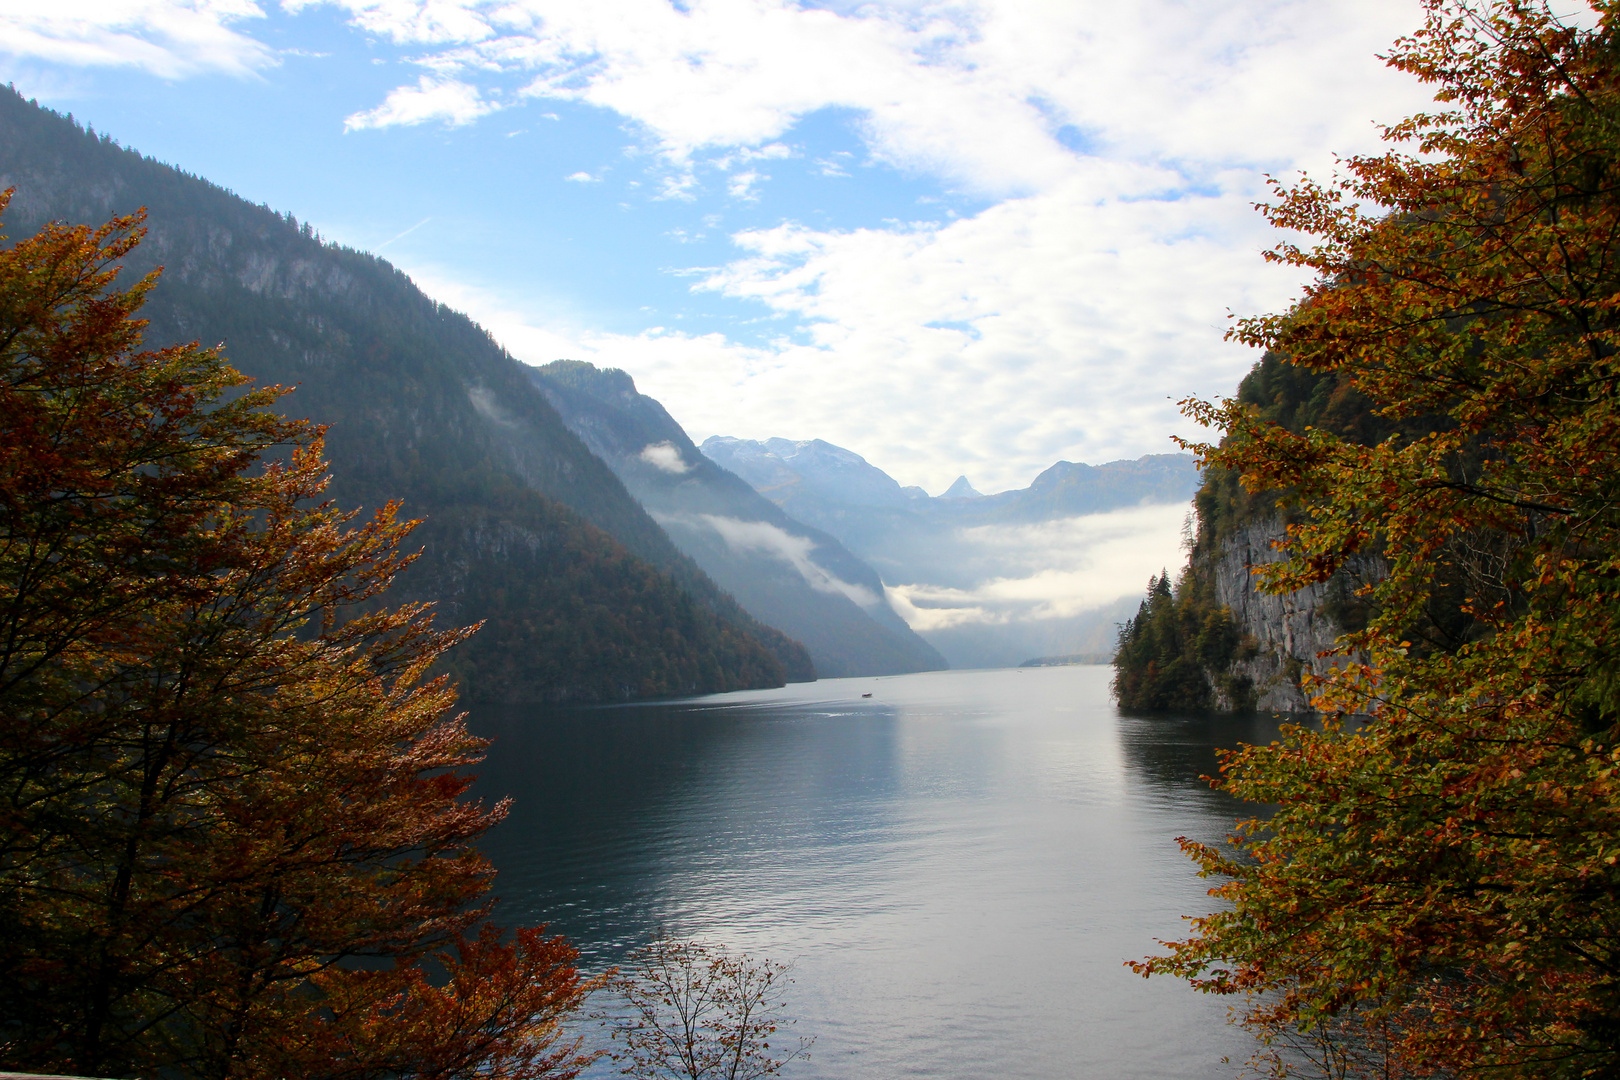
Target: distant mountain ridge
x,y
961,489
788,472
975,568
1069,489
840,492
793,577
584,596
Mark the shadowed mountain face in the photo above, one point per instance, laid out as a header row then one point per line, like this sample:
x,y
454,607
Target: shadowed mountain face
x,y
988,579
796,578
583,595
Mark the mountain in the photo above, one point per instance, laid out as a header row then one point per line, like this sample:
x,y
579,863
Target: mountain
x,y
812,473
1068,489
838,491
786,574
1216,641
988,580
583,595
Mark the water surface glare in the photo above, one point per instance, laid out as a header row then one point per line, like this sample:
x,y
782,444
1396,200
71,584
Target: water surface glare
x,y
957,865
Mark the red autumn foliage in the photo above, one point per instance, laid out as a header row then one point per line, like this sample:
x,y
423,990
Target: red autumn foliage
x,y
233,837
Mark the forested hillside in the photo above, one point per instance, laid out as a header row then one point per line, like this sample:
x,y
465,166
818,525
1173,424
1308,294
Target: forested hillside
x,y
1209,639
583,595
792,576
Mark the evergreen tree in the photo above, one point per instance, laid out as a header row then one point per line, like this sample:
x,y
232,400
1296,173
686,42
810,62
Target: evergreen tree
x,y
1177,650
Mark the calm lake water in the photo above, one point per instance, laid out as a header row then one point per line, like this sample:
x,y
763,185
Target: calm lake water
x,y
957,865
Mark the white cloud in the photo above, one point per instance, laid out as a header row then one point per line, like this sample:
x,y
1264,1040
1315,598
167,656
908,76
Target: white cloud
x,y
1058,326
742,185
170,40
1122,146
665,456
484,400
1119,145
416,22
989,93
582,178
432,98
768,539
1053,570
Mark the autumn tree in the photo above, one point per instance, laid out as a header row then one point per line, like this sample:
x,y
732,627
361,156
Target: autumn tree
x,y
225,775
694,1011
1441,878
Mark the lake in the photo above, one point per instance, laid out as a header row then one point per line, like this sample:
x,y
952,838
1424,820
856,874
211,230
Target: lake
x,y
957,865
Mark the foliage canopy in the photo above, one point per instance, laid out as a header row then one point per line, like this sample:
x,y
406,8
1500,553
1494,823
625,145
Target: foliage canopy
x,y
224,775
1443,877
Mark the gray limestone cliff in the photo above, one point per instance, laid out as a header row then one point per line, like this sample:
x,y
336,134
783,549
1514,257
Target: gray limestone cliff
x,y
1285,634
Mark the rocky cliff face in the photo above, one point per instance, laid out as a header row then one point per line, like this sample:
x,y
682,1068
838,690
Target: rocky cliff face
x,y
1285,633
1215,640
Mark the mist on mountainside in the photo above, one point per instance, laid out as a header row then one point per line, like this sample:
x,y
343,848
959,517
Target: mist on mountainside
x,y
786,574
989,580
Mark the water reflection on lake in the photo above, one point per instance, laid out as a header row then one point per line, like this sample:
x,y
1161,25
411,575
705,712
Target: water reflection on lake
x,y
958,864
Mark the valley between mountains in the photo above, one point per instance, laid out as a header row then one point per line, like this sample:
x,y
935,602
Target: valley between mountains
x,y
607,556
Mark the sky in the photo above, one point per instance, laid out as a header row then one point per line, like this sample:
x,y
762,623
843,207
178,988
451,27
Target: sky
x,y
972,237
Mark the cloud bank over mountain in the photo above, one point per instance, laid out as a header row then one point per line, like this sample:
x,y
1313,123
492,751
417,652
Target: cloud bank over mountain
x,y
795,550
1050,570
989,580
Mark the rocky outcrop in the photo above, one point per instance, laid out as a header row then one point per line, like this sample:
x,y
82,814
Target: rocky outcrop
x,y
1285,634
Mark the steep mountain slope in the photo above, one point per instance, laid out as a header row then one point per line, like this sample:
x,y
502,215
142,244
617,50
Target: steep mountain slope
x,y
989,579
584,595
793,577
1216,641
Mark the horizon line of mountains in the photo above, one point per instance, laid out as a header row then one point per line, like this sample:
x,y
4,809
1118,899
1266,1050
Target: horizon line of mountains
x,y
608,556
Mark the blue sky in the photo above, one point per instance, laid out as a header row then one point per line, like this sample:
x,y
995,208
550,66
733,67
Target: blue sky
x,y
970,237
